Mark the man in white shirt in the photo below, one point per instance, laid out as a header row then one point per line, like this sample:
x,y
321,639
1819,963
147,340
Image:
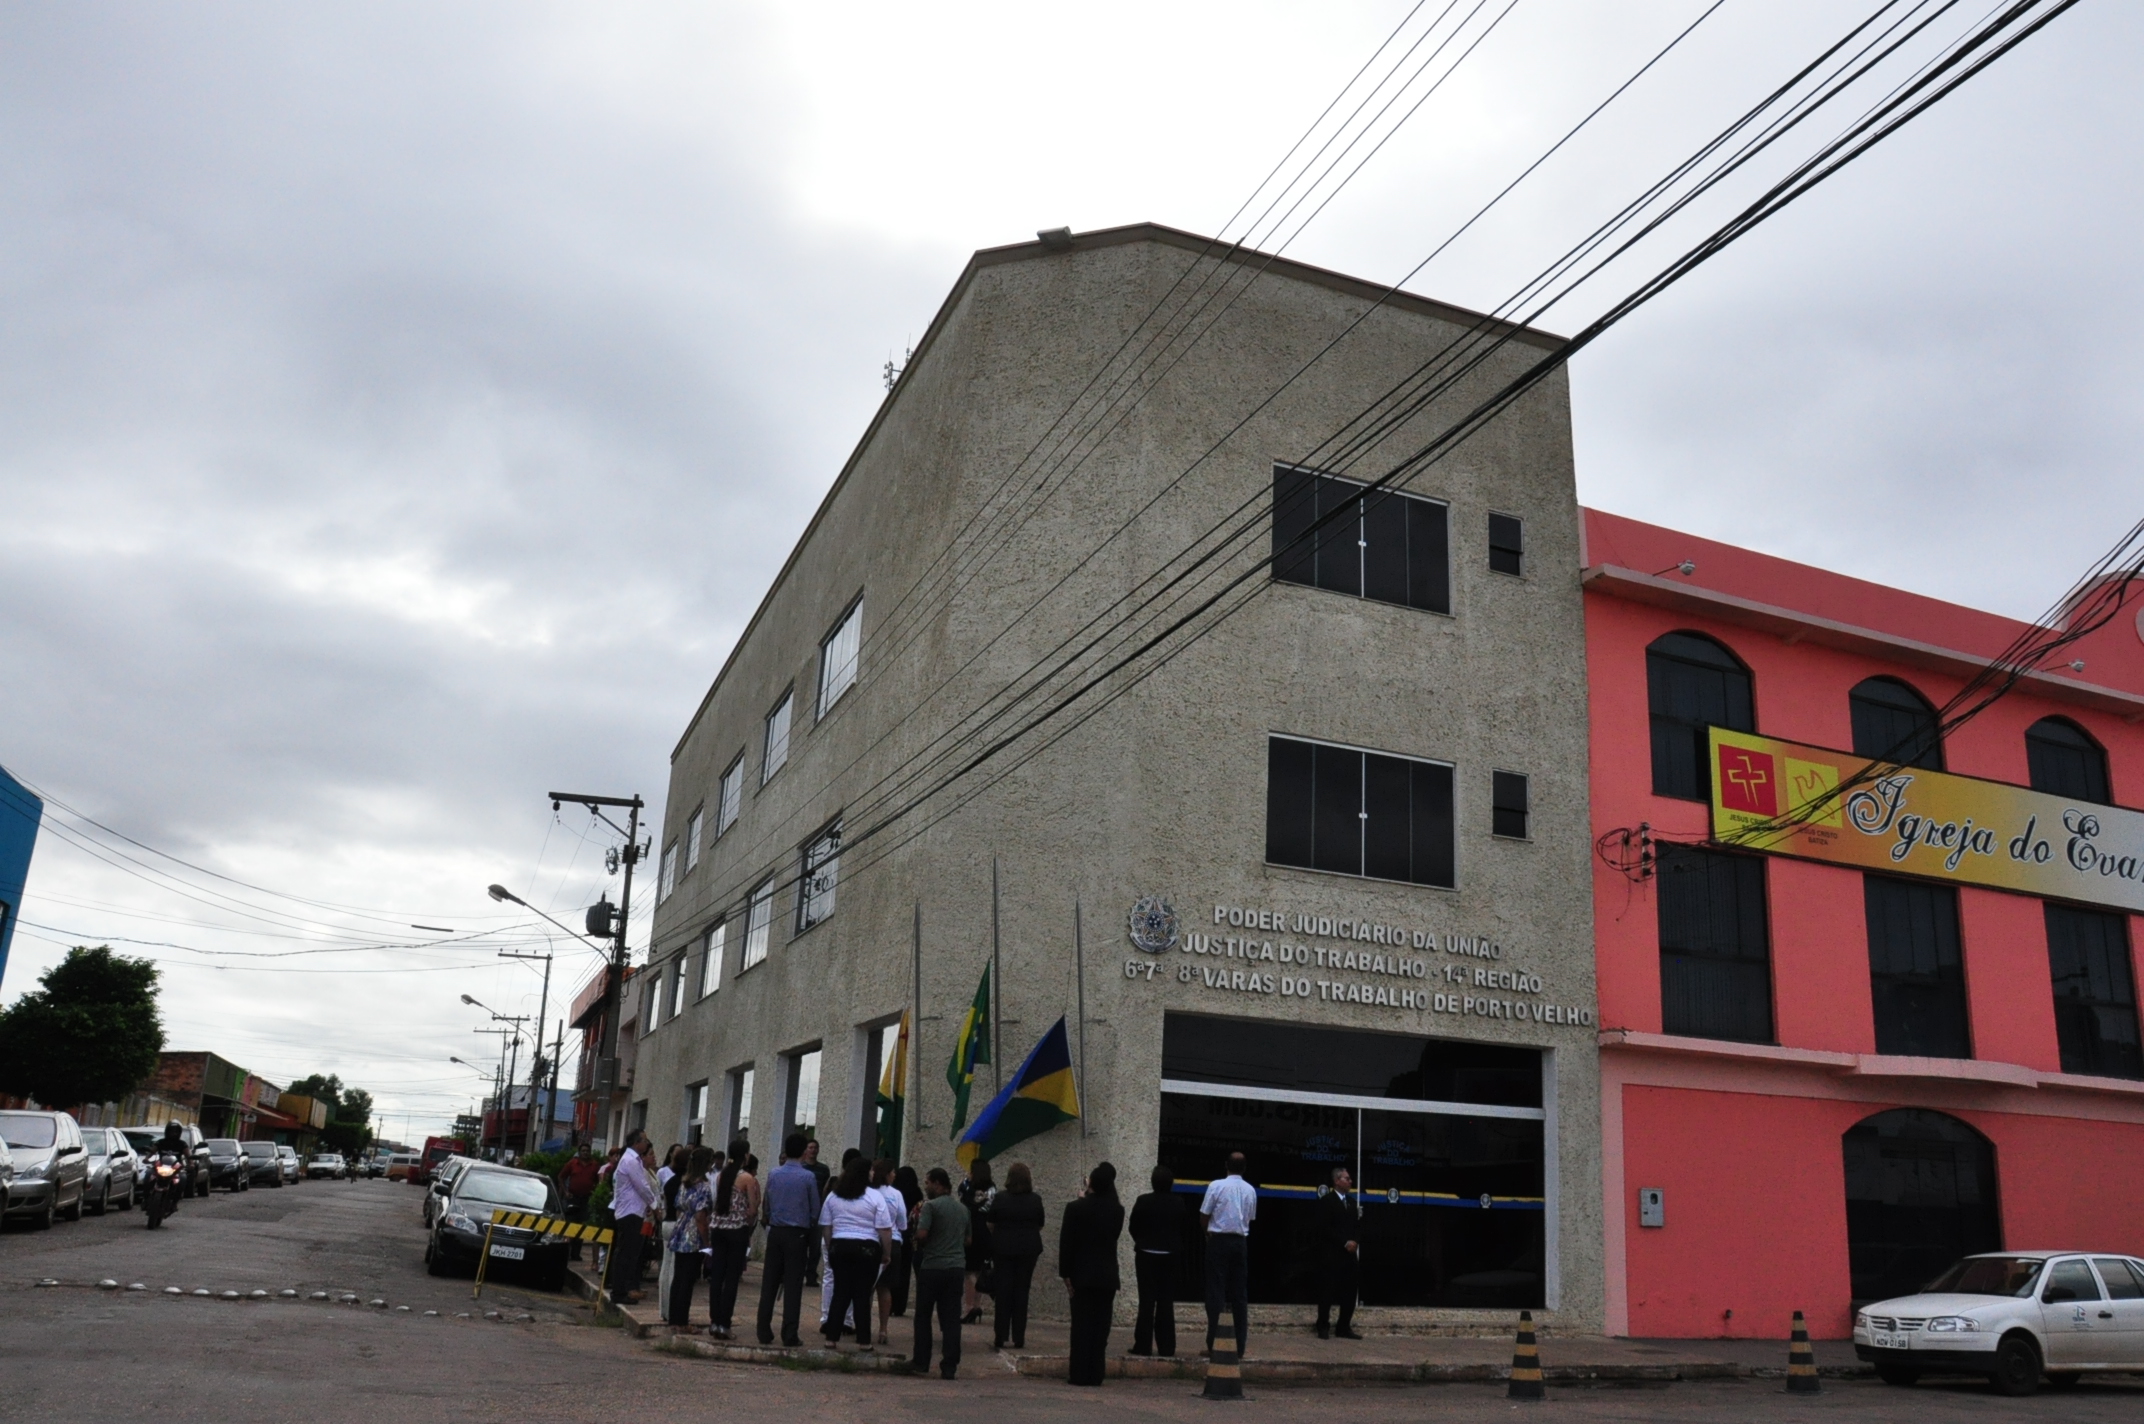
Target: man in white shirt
x,y
1229,1207
632,1198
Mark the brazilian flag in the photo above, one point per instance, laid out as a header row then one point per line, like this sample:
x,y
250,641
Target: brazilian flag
x,y
971,1045
1040,1096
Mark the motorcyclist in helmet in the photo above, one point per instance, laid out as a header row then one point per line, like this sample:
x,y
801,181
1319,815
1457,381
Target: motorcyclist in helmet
x,y
174,1142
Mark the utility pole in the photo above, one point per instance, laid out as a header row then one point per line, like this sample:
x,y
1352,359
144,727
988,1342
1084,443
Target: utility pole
x,y
543,1011
614,990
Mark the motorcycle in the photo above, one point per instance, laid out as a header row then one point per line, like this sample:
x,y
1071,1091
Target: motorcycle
x,y
167,1180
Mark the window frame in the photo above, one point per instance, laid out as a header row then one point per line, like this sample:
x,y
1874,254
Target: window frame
x,y
729,795
1688,956
1655,718
1497,778
853,615
714,943
785,708
2121,963
1302,567
1363,854
651,1002
2097,768
1516,551
677,984
758,925
1887,986
1857,698
666,874
694,825
695,1127
810,894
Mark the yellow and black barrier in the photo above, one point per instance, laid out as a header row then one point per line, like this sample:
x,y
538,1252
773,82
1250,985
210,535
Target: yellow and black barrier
x,y
543,1226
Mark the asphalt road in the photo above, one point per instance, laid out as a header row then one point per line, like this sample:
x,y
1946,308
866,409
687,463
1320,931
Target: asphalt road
x,y
77,1352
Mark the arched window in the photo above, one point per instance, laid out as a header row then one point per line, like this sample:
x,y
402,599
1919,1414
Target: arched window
x,y
1692,683
1894,723
2065,761
1920,1193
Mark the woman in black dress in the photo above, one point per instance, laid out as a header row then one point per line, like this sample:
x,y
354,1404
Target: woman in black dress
x,y
1016,1217
976,1192
1087,1263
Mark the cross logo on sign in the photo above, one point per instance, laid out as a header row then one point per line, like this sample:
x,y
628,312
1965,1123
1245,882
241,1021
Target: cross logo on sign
x,y
1749,781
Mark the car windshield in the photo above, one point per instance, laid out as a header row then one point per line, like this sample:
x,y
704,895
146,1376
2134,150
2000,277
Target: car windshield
x,y
143,1141
509,1189
221,1147
260,1149
1988,1275
27,1129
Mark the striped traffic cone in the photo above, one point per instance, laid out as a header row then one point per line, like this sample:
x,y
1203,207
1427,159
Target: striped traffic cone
x,y
1801,1361
1526,1362
1224,1375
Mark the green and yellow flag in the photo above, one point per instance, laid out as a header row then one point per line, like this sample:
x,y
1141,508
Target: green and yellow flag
x,y
893,1096
971,1045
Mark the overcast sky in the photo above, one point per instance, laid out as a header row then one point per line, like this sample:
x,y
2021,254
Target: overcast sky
x,y
403,407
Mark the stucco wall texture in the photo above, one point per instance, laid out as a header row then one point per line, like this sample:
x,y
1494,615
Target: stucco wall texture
x,y
968,577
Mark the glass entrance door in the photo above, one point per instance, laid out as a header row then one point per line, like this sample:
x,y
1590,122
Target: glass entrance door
x,y
1291,1150
1452,1211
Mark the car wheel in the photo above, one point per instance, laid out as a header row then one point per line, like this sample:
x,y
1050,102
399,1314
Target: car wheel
x,y
1902,1375
2017,1367
435,1261
43,1220
74,1213
104,1202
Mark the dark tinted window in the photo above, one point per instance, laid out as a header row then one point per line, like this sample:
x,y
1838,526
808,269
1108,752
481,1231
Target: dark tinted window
x,y
1389,547
508,1189
2095,997
2070,1280
1507,544
1507,804
2063,761
1715,951
1916,973
2121,1282
1692,683
1894,723
1358,813
2012,1276
1200,1048
222,1146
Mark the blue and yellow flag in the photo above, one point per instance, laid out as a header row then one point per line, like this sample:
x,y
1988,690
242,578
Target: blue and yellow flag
x,y
1040,1096
971,1045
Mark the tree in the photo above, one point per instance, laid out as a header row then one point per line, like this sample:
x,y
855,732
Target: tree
x,y
326,1089
90,1034
349,1129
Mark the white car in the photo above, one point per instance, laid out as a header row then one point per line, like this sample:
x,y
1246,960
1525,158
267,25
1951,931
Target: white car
x,y
2012,1316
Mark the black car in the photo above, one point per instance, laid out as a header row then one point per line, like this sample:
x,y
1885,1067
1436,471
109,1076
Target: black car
x,y
228,1165
266,1165
458,1237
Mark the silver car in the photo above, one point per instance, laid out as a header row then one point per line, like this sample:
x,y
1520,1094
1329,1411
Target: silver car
x,y
114,1170
293,1169
51,1165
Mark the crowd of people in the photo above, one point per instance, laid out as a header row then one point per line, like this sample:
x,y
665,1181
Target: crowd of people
x,y
877,1242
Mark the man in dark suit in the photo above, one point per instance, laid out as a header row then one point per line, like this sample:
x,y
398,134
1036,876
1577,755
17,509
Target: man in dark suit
x,y
1157,1235
1087,1264
1339,1248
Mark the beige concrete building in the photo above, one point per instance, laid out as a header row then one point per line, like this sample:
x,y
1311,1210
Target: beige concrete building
x,y
1353,811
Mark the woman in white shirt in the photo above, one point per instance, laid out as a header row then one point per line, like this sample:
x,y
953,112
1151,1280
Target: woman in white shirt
x,y
896,1253
859,1237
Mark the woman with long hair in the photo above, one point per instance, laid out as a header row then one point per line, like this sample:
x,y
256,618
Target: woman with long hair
x,y
976,1193
688,1234
733,1207
1087,1263
896,1265
667,1179
859,1238
1016,1217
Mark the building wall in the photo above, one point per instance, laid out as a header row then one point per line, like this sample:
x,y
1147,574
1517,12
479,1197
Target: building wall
x,y
1746,1139
1165,791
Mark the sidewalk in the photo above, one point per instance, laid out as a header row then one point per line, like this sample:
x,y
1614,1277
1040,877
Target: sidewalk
x,y
1294,1355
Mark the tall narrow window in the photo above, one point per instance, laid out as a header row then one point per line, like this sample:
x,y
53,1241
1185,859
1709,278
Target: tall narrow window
x,y
758,923
1916,969
2095,994
838,657
1508,804
651,1000
711,958
1359,813
692,839
1715,947
1392,548
695,1113
731,797
667,880
1691,684
677,986
741,1101
820,870
1507,545
2065,761
777,752
1894,723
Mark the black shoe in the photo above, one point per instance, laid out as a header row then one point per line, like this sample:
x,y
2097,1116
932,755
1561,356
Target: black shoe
x,y
973,1317
1347,1332
792,1343
918,1369
766,1337
1135,1350
1324,1332
945,1374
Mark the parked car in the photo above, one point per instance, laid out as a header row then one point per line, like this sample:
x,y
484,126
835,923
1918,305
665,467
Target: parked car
x,y
325,1164
373,1165
2012,1316
51,1165
266,1168
144,1140
7,1178
443,1177
400,1165
228,1165
458,1238
114,1170
287,1157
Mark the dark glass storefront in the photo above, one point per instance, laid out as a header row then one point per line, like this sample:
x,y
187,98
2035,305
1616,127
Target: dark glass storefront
x,y
1444,1141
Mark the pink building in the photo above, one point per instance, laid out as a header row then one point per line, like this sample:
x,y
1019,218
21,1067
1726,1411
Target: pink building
x,y
1841,1048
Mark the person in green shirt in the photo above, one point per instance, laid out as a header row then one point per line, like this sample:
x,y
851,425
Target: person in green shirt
x,y
941,1235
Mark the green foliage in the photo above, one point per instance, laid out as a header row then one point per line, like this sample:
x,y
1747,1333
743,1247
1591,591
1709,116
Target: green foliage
x,y
349,1129
349,1138
356,1106
326,1089
547,1163
90,1035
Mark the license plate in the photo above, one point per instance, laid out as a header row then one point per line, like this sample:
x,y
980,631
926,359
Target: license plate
x,y
1880,1341
508,1253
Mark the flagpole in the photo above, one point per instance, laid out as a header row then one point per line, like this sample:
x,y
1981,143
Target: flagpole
x,y
1079,962
997,987
915,1021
